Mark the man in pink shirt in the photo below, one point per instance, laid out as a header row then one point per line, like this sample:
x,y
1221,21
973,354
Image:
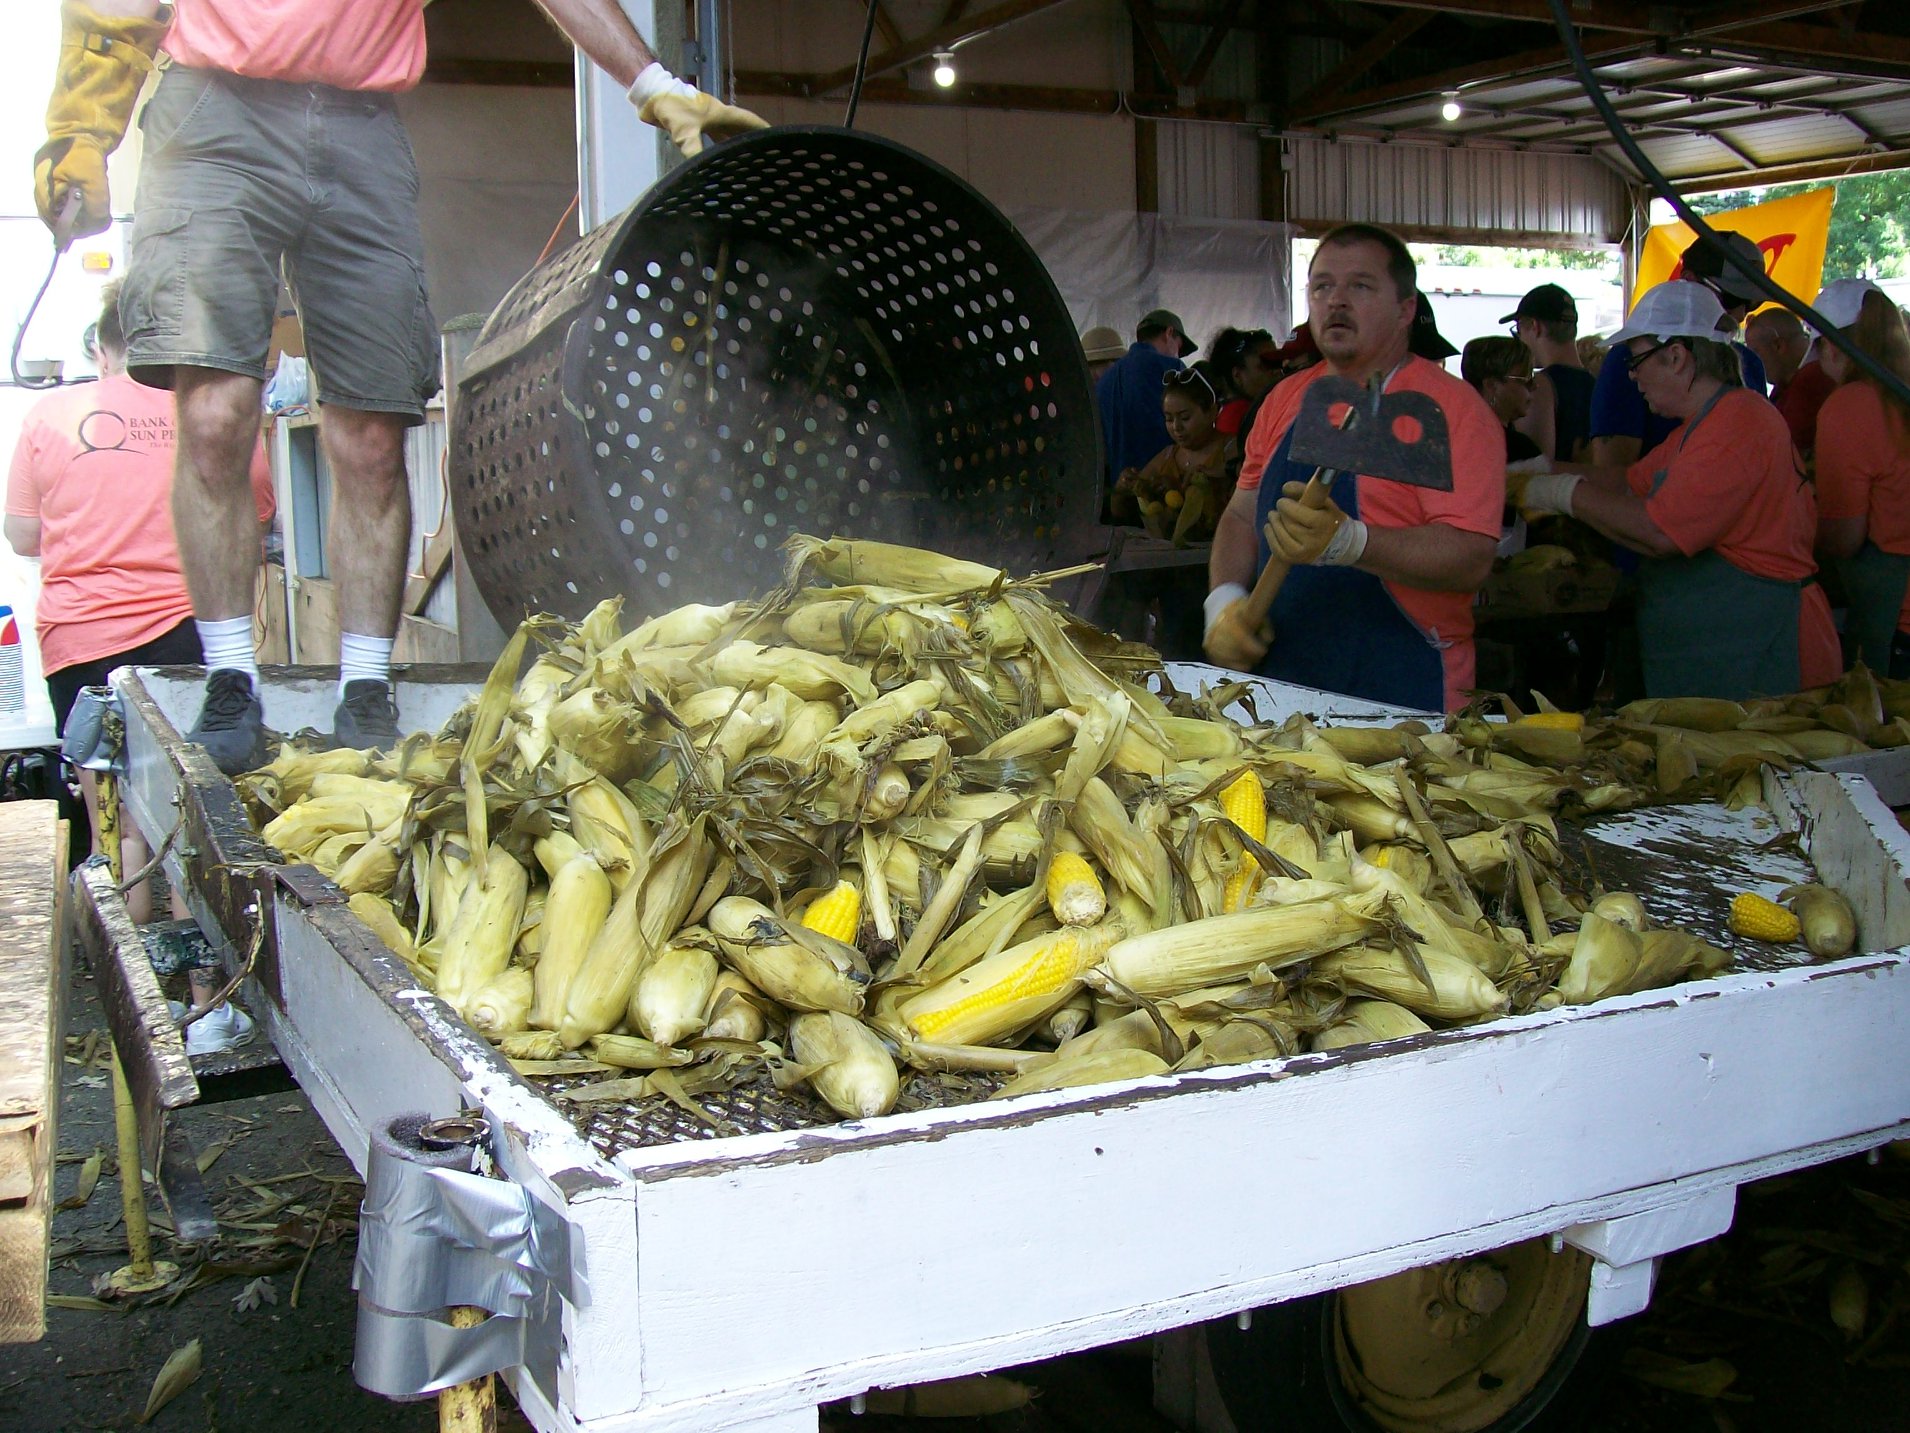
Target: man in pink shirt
x,y
272,143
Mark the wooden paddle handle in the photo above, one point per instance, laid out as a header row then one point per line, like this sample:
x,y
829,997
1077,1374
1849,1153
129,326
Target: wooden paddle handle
x,y
1266,587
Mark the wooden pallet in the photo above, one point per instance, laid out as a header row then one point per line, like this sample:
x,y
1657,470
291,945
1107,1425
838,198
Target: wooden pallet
x,y
32,883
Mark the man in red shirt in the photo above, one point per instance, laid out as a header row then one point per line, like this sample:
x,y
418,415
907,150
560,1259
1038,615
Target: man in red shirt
x,y
1799,384
1378,603
273,143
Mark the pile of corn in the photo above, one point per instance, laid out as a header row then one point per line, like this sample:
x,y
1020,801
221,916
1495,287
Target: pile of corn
x,y
903,813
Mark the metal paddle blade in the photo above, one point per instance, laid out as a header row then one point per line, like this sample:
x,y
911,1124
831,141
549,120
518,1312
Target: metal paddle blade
x,y
1347,428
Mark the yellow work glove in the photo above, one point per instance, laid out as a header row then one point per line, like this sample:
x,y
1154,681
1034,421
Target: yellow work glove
x,y
1232,640
686,114
1300,532
104,59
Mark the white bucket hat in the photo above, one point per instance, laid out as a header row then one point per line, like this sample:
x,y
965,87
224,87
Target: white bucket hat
x,y
1676,309
1840,300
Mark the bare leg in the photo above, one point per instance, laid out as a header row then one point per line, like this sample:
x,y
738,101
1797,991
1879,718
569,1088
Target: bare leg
x,y
213,514
371,517
133,856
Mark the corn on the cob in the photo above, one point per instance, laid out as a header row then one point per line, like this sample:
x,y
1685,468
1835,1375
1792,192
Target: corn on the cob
x,y
1242,886
1238,1042
735,1010
849,1066
1003,992
906,568
837,913
1075,894
574,911
1071,1019
1604,960
477,945
761,949
627,1052
812,676
1244,803
376,912
673,992
1363,1022
1551,721
1759,918
531,1045
1459,990
502,1006
1090,1068
1828,923
1227,947
1625,909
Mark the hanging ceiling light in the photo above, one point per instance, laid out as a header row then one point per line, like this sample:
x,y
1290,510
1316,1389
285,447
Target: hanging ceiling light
x,y
945,68
1450,110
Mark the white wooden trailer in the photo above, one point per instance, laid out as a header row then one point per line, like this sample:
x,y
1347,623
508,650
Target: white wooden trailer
x,y
738,1283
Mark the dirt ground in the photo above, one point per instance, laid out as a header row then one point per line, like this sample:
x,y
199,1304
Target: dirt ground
x,y
1740,1338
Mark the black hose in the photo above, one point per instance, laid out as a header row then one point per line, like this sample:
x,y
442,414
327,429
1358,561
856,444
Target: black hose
x,y
862,68
1759,279
20,334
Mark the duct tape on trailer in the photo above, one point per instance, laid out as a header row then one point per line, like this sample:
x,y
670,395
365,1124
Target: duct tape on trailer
x,y
86,743
433,1236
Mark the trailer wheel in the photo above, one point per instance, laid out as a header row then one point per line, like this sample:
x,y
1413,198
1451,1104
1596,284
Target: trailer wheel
x,y
1475,1345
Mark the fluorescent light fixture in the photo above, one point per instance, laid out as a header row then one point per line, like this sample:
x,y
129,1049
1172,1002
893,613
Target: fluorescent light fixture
x,y
944,68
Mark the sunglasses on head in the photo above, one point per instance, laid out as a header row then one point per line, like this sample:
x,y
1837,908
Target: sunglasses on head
x,y
1187,378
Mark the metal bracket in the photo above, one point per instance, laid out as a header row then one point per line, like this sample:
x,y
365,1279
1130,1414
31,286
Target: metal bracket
x,y
1627,1249
434,1236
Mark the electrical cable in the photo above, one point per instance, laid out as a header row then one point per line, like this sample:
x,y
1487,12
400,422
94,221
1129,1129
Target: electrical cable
x,y
862,68
1652,176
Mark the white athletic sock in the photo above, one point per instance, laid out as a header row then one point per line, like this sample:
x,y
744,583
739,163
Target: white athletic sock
x,y
362,659
227,644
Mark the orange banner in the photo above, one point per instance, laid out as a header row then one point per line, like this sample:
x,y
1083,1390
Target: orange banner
x,y
1792,234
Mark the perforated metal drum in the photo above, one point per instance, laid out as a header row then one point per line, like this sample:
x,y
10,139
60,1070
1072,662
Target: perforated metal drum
x,y
804,329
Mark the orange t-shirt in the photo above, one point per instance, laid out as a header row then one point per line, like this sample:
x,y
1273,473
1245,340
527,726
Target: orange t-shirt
x,y
1474,505
94,466
1737,489
1863,470
350,44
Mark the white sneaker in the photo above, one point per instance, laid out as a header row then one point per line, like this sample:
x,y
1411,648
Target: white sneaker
x,y
225,1027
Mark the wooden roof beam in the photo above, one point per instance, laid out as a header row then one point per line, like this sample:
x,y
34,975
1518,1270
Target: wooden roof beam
x,y
1401,29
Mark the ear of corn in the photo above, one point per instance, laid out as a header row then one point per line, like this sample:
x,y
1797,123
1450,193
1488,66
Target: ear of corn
x,y
1604,960
837,913
1096,1067
673,992
1623,908
1365,1021
574,912
502,1006
628,1052
477,944
758,947
1001,993
1075,894
1828,923
1759,918
735,1010
1227,947
849,1066
1245,804
1451,988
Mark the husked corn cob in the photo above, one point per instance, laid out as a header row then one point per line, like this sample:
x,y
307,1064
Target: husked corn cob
x,y
837,913
1244,803
1242,886
851,1068
376,912
673,992
1001,993
1075,894
1756,917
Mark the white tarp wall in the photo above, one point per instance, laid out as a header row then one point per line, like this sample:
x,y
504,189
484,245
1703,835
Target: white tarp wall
x,y
1112,268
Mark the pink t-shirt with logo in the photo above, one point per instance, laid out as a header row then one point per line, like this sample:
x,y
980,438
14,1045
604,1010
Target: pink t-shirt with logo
x,y
94,466
351,44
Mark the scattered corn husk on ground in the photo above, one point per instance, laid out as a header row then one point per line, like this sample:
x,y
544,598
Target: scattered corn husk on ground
x,y
904,814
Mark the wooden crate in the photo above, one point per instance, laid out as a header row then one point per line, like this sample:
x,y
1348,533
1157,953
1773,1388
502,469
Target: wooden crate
x,y
32,883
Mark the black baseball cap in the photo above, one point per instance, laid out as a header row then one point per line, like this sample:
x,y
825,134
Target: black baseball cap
x,y
1157,322
1548,303
1426,340
1704,260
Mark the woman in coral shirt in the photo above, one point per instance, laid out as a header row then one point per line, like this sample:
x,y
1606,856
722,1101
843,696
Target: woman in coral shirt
x,y
1863,474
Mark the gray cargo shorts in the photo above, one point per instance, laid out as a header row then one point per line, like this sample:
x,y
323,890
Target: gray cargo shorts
x,y
241,175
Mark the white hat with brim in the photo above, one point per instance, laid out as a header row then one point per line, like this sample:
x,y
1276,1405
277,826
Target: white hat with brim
x,y
1841,300
1676,309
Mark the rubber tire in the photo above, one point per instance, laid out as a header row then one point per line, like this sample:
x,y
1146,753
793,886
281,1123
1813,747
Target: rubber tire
x,y
1278,1376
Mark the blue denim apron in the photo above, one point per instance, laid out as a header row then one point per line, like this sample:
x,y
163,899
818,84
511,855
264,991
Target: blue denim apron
x,y
1707,628
1337,628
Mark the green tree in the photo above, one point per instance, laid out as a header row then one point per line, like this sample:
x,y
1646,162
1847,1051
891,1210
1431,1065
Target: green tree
x,y
1869,221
